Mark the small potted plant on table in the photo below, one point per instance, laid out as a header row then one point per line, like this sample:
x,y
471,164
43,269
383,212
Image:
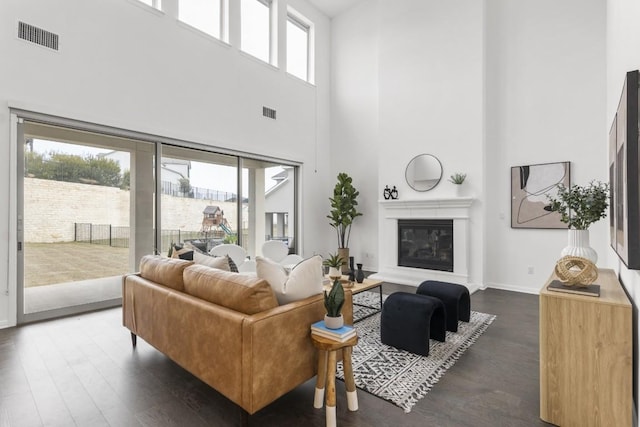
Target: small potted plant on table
x,y
334,262
333,302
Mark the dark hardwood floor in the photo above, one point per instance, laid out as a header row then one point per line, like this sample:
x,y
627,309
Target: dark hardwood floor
x,y
82,371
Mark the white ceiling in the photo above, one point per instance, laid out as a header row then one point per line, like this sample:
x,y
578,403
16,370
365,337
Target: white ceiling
x,y
333,8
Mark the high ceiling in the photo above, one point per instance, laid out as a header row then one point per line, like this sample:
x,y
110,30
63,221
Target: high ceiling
x,y
333,8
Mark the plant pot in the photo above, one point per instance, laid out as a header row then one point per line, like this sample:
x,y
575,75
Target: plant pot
x,y
334,273
578,245
458,190
333,322
344,254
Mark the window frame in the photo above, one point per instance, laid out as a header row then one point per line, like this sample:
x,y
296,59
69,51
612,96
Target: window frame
x,y
272,55
302,22
296,21
223,22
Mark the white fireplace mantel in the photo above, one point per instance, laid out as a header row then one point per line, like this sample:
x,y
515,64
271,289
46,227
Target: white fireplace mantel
x,y
455,208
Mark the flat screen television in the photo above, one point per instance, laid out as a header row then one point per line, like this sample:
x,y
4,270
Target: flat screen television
x,y
624,209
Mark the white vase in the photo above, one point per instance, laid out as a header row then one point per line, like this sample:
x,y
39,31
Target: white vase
x,y
334,273
333,322
578,245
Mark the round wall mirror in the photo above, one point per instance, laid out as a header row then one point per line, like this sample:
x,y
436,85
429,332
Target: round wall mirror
x,y
423,172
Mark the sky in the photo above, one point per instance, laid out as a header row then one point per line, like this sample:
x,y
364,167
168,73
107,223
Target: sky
x,y
222,178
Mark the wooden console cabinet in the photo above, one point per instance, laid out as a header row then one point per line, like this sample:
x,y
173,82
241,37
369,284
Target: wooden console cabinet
x,y
586,356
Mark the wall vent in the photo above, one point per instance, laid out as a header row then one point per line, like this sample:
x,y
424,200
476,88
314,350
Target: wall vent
x,y
269,112
37,35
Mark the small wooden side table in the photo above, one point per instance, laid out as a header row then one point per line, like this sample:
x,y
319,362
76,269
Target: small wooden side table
x,y
327,359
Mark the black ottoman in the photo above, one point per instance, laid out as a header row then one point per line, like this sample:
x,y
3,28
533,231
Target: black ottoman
x,y
455,298
409,320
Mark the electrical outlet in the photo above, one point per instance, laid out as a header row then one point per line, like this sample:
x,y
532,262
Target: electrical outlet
x,y
530,270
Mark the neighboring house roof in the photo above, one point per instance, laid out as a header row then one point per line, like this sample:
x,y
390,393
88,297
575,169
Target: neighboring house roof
x,y
280,176
276,187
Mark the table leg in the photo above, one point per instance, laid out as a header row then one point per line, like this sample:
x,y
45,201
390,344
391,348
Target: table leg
x,y
320,379
331,390
352,396
380,290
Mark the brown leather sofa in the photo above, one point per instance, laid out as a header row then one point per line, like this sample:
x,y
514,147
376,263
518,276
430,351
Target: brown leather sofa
x,y
225,328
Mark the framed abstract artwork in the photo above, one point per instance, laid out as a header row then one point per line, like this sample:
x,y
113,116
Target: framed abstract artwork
x,y
624,209
530,187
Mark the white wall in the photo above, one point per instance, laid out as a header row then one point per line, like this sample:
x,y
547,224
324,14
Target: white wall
x,y
431,99
123,64
483,86
623,54
408,79
545,102
354,126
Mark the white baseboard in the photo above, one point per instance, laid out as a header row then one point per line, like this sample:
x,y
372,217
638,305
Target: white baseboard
x,y
513,288
6,324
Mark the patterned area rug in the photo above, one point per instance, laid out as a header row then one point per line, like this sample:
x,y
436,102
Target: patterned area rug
x,y
396,375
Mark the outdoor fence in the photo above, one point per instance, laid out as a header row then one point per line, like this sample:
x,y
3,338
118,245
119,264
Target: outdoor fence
x,y
118,236
177,190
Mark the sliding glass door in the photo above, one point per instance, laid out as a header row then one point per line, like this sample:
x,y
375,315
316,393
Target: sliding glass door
x,y
82,195
199,202
90,205
269,189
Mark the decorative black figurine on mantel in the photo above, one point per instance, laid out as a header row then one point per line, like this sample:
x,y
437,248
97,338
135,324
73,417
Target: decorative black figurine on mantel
x,y
394,193
387,192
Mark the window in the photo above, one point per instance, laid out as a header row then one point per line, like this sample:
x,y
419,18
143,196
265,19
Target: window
x,y
113,198
156,4
205,15
255,37
298,41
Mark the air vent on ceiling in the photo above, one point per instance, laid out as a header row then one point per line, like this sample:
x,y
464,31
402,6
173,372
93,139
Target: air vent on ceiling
x,y
37,35
269,112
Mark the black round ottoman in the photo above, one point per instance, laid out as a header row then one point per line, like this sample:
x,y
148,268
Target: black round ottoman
x,y
455,298
409,320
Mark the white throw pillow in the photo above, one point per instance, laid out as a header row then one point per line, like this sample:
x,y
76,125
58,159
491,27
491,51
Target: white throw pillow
x,y
304,280
221,263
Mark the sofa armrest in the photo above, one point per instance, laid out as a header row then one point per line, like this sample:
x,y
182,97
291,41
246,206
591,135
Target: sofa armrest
x,y
278,354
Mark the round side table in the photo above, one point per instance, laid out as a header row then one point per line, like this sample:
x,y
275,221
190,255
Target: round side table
x,y
327,359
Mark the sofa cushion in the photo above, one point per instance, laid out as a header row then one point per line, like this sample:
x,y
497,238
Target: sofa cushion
x,y
232,264
219,262
182,253
238,292
165,271
304,280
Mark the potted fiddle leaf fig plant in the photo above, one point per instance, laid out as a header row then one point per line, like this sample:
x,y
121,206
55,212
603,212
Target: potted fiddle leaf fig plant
x,y
334,262
333,302
343,211
579,207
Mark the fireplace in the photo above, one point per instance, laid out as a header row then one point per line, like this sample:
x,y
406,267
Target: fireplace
x,y
426,244
452,209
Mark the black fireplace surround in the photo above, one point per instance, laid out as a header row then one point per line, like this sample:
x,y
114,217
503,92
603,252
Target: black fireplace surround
x,y
426,243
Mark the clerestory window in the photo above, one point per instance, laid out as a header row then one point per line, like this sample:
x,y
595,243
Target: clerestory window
x,y
207,16
256,29
156,4
298,45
